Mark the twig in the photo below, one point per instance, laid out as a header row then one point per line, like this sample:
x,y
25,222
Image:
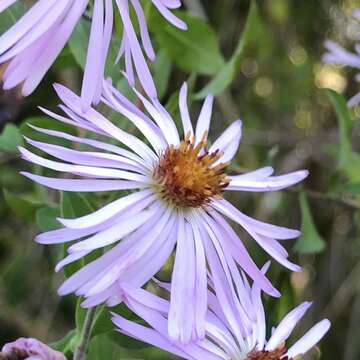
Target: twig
x,y
85,336
343,295
327,197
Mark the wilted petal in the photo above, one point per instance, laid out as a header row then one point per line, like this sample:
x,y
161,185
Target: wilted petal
x,y
30,348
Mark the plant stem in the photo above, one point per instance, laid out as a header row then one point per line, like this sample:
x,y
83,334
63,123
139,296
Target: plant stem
x,y
85,336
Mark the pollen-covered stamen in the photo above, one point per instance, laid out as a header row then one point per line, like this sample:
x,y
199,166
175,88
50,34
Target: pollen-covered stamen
x,y
186,175
277,354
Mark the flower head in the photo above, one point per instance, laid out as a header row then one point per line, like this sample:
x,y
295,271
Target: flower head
x,y
186,176
47,26
336,54
235,328
177,199
29,348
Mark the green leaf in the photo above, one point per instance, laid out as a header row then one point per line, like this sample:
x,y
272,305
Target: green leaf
x,y
73,205
66,344
353,188
162,70
10,15
10,179
79,40
22,207
196,49
227,73
65,60
46,218
103,323
310,241
101,347
80,315
10,138
352,167
345,125
78,45
127,341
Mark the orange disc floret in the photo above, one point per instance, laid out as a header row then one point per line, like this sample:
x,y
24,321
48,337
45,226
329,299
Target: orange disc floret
x,y
277,354
187,175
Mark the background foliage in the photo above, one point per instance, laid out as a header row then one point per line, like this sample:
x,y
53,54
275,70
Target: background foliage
x,y
264,63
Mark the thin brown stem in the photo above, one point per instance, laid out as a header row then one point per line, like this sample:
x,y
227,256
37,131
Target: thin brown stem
x,y
312,194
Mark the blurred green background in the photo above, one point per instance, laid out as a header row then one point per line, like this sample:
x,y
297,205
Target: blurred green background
x,y
271,76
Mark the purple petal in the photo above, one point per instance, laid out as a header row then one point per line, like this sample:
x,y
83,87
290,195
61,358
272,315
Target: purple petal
x,y
184,111
91,171
243,258
260,227
107,211
145,334
203,123
86,158
142,122
286,326
24,24
82,185
273,183
168,15
50,53
228,142
139,61
261,173
113,234
144,32
94,117
310,339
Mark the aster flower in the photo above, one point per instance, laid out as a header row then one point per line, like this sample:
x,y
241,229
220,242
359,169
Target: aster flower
x,y
29,348
234,329
47,26
336,54
176,200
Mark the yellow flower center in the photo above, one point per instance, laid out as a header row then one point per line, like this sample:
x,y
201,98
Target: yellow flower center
x,y
186,175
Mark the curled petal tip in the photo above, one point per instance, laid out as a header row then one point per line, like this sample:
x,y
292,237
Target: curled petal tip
x,y
296,268
57,86
275,293
304,173
239,123
38,239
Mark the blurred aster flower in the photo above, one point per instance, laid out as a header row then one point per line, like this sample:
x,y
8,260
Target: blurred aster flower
x,y
336,54
235,329
29,348
178,201
46,27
